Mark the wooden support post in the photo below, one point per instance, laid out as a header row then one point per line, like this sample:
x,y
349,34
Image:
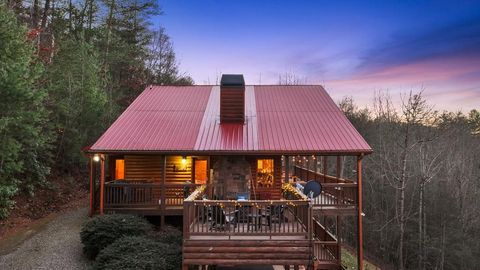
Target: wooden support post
x,y
92,188
359,214
325,170
305,166
287,169
337,174
339,239
163,193
102,183
339,167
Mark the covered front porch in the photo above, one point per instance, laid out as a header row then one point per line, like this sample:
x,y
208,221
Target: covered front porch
x,y
158,184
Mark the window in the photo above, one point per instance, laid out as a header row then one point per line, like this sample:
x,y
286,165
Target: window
x,y
119,169
265,171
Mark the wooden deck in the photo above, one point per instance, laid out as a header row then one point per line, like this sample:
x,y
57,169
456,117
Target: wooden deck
x,y
276,232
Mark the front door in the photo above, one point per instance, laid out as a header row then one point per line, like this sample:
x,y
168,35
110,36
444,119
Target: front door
x,y
200,174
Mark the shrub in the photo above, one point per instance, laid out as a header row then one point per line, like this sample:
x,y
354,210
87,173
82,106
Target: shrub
x,y
139,252
100,231
169,235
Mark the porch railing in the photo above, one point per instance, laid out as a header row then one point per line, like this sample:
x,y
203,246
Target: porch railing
x,y
137,194
336,192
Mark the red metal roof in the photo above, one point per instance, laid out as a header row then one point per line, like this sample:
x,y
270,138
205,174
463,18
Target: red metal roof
x,y
279,119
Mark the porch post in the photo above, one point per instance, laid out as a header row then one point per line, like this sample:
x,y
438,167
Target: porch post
x,y
325,169
163,193
92,185
359,214
102,183
287,168
339,239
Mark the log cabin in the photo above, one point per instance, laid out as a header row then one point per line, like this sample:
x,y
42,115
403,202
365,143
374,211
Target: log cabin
x,y
232,159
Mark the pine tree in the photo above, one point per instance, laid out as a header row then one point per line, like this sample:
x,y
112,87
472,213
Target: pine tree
x,y
24,133
76,100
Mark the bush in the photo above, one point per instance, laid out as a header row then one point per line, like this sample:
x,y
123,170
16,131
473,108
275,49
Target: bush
x,y
100,231
139,252
169,235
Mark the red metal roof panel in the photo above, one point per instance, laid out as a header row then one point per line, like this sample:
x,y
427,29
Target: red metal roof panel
x,y
278,119
161,118
303,118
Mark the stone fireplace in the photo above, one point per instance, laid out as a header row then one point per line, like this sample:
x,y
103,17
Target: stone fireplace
x,y
232,175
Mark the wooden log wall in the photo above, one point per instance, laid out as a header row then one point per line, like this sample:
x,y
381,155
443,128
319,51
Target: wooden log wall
x,y
146,167
177,172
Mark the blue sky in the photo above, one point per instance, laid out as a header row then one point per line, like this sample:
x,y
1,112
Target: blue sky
x,y
352,48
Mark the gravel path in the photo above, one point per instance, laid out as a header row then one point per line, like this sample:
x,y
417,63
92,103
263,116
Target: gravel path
x,y
56,246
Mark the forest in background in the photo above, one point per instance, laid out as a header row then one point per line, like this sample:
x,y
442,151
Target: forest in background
x,y
421,185
68,68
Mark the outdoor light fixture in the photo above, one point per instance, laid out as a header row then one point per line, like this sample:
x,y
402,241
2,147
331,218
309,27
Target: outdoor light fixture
x,y
96,158
184,160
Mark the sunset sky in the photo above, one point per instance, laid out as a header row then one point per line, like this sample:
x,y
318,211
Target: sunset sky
x,y
353,48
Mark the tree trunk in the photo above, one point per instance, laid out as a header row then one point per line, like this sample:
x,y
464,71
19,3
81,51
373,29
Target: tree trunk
x,y
46,8
420,226
90,21
442,252
34,16
401,202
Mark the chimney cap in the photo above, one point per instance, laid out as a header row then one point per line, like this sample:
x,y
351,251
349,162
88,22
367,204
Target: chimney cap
x,y
232,80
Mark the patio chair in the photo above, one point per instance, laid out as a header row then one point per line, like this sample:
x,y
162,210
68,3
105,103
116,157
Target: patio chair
x,y
275,214
220,219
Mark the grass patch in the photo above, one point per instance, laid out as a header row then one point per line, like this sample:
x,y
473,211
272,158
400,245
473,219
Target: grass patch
x,y
350,261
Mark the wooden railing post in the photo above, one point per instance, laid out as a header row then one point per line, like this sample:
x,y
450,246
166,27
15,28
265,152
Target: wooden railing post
x,y
186,219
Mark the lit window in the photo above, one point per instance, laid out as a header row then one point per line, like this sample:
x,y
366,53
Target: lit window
x,y
119,169
265,171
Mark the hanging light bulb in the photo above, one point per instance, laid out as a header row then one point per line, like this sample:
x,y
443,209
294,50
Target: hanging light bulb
x,y
184,160
96,158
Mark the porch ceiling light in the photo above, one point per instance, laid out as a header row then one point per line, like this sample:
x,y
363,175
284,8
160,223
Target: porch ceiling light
x,y
96,158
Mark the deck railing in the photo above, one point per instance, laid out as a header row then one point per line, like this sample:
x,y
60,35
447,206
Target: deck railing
x,y
326,246
336,192
138,194
203,217
240,218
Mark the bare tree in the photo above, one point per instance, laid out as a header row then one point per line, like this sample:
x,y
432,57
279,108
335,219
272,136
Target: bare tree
x,y
290,78
415,111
